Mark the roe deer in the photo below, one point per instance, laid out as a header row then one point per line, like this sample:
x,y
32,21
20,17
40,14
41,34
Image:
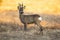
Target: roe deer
x,y
28,19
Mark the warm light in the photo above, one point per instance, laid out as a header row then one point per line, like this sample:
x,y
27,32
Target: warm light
x,y
42,6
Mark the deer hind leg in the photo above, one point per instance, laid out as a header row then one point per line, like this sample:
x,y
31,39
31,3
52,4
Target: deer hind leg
x,y
25,27
40,27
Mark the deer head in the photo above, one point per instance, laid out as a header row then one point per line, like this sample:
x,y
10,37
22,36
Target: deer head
x,y
21,8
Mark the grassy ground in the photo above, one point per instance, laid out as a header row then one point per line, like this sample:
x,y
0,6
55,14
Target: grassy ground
x,y
11,28
15,32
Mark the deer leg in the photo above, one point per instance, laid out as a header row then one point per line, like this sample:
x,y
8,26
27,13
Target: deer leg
x,y
40,27
25,27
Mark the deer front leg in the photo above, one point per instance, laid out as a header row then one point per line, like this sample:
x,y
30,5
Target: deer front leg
x,y
25,27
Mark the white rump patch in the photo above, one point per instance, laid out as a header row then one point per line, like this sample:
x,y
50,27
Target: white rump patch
x,y
40,18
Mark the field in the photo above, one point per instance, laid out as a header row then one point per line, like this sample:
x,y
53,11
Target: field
x,y
11,27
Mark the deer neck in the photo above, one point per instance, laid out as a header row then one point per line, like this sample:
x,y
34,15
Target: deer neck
x,y
21,15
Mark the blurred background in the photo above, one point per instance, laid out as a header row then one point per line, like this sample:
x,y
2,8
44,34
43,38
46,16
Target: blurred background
x,y
48,9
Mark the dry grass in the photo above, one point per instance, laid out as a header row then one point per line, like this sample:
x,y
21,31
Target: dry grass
x,y
11,27
10,16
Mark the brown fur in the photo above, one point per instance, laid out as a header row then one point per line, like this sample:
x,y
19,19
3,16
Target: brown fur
x,y
28,19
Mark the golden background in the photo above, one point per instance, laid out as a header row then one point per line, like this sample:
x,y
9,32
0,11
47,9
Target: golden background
x,y
9,11
37,6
